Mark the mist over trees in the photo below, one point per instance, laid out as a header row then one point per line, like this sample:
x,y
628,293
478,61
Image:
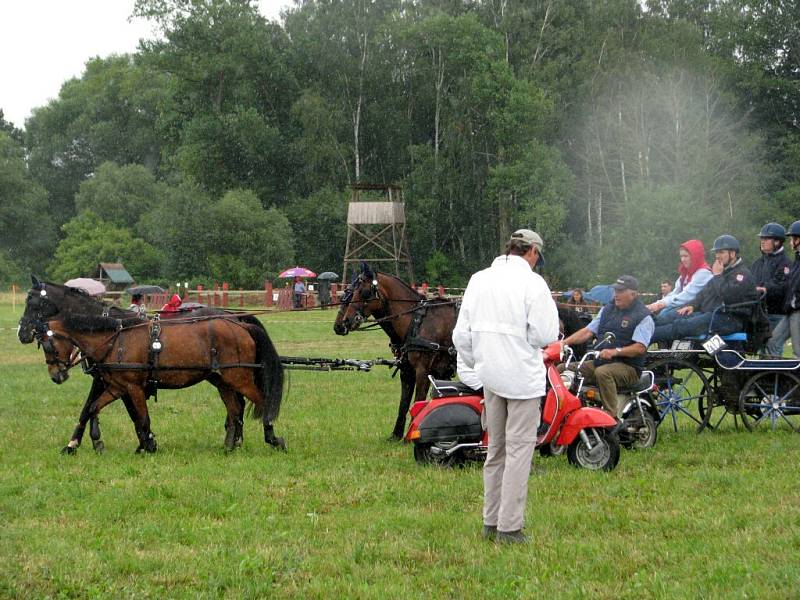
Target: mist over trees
x,y
224,149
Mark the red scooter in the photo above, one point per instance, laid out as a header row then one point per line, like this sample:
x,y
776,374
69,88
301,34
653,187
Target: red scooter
x,y
447,428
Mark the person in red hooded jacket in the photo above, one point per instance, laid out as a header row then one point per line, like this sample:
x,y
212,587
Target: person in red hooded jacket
x,y
694,274
173,305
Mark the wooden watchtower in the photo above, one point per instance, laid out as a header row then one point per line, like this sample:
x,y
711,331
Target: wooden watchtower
x,y
376,231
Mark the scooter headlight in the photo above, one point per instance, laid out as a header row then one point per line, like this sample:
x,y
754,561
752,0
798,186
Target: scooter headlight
x,y
568,377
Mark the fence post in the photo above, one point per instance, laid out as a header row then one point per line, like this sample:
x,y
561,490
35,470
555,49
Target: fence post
x,y
224,294
425,288
199,293
440,289
268,293
241,297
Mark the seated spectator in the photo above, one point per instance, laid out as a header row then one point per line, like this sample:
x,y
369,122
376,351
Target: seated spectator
x,y
732,285
694,274
577,301
666,288
173,305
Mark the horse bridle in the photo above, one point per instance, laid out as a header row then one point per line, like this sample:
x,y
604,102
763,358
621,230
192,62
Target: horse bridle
x,y
349,292
44,338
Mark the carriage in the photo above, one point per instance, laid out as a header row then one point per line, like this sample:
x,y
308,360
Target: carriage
x,y
702,381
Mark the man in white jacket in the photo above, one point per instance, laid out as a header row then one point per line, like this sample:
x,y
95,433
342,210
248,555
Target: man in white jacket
x,y
507,316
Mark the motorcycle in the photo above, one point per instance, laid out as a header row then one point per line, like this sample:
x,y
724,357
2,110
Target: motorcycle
x,y
640,418
447,430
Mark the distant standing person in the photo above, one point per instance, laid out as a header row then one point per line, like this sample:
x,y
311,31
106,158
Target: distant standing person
x,y
507,316
299,290
324,287
137,304
577,301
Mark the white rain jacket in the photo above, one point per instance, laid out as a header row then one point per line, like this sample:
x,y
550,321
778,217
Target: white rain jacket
x,y
507,316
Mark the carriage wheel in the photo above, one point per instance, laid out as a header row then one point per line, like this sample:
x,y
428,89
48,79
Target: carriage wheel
x,y
770,400
683,393
435,454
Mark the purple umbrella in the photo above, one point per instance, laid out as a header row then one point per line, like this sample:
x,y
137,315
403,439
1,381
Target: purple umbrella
x,y
297,272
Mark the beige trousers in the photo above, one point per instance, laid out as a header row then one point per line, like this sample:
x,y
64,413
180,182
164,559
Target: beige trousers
x,y
512,426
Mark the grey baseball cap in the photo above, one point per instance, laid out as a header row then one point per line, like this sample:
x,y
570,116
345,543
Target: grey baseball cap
x,y
530,238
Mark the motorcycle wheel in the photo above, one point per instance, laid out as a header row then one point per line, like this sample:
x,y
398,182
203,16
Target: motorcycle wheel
x,y
645,436
551,449
427,453
603,456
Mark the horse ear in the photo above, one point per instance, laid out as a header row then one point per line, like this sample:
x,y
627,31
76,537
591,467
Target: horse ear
x,y
36,283
366,270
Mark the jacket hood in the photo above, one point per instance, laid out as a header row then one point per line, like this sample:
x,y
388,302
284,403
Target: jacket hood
x,y
697,254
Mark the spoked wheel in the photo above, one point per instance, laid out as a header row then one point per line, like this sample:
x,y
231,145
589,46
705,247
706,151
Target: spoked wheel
x,y
771,400
603,454
684,393
435,453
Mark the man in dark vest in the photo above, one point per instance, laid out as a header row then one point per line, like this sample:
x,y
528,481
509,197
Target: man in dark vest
x,y
771,269
630,322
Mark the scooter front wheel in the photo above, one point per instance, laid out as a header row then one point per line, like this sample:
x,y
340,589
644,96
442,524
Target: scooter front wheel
x,y
602,455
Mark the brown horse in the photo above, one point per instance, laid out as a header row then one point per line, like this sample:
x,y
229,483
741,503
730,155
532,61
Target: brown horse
x,y
419,330
51,301
237,358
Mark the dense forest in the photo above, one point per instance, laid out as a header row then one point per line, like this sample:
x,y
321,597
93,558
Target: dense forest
x,y
224,148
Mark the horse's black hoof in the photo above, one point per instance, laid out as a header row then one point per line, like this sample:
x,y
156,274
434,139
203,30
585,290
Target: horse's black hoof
x,y
99,446
278,443
69,450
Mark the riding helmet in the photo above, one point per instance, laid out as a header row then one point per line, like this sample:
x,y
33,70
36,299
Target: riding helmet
x,y
725,242
794,228
773,230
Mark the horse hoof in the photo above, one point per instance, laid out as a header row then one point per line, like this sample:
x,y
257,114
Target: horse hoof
x,y
278,443
99,446
69,450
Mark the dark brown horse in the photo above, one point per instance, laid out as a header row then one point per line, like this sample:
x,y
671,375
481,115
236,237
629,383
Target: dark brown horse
x,y
419,330
236,357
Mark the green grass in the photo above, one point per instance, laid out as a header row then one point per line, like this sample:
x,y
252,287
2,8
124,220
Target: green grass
x,y
344,513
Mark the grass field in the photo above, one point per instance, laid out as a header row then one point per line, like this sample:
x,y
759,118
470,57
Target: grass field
x,y
345,513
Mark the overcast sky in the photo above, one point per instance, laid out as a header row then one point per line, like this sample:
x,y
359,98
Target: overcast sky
x,y
43,43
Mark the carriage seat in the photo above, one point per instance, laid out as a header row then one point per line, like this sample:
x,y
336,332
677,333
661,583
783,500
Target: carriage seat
x,y
442,388
645,382
739,336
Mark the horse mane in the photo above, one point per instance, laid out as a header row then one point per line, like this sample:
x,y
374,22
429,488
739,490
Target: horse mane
x,y
401,282
94,323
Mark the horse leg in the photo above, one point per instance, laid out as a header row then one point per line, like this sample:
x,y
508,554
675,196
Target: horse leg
x,y
249,389
77,435
407,384
238,438
231,401
136,402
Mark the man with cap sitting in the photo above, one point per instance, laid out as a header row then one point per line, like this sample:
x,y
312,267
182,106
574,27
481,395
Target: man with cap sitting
x,y
722,306
507,316
630,322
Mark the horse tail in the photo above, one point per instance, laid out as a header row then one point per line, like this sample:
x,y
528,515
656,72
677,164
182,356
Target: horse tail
x,y
269,376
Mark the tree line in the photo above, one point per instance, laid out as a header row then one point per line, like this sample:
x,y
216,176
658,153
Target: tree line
x,y
224,148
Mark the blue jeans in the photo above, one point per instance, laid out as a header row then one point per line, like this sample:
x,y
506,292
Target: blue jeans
x,y
788,326
676,327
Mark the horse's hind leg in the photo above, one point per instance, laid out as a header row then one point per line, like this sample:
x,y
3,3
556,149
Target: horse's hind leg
x,y
250,390
234,403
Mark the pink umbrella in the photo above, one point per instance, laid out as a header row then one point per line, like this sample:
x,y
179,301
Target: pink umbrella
x,y
297,272
90,286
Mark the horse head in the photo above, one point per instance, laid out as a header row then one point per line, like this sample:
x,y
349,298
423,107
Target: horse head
x,y
41,304
361,299
61,352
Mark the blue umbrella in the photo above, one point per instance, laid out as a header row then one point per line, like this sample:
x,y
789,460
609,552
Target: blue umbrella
x,y
602,294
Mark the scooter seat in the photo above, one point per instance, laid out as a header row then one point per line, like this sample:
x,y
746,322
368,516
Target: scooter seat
x,y
442,388
645,381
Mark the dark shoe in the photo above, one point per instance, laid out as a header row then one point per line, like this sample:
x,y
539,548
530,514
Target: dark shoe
x,y
489,531
511,537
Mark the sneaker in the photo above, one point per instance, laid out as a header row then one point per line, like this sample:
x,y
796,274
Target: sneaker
x,y
489,531
511,537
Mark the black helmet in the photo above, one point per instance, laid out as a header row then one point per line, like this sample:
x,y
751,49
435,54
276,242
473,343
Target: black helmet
x,y
725,242
774,231
794,228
